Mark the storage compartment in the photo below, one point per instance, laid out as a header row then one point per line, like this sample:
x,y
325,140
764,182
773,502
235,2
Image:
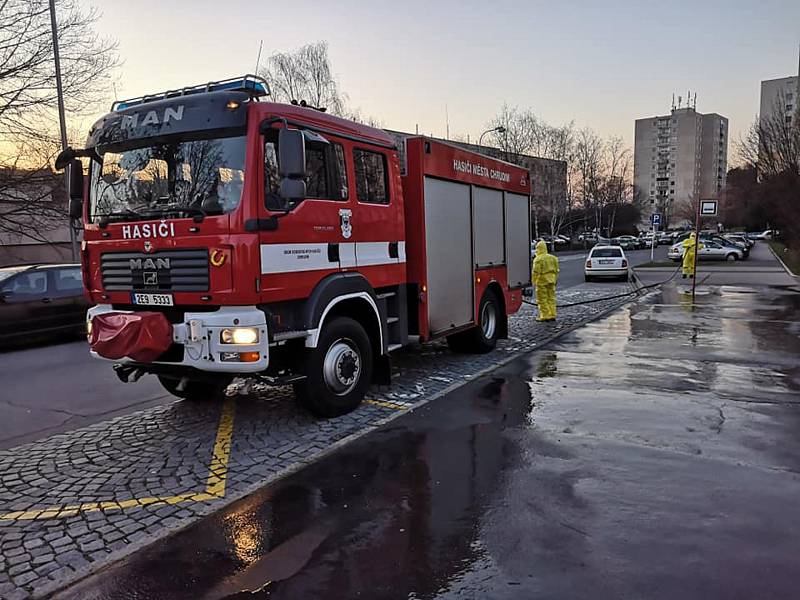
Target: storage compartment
x,y
487,226
448,245
518,240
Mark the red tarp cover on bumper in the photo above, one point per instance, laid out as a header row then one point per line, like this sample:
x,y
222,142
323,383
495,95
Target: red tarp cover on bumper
x,y
142,336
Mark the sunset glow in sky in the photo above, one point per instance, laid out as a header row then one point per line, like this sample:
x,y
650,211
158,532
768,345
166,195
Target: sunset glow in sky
x,y
599,63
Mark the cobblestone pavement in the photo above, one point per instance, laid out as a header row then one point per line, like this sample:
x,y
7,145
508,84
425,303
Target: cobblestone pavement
x,y
76,501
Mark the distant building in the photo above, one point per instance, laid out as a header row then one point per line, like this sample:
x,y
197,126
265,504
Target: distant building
x,y
679,156
548,177
779,95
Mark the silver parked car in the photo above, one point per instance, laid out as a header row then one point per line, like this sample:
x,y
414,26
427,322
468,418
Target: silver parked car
x,y
711,250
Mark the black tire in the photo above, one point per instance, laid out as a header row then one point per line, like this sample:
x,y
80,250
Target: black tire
x,y
731,257
625,278
196,390
482,338
587,278
338,371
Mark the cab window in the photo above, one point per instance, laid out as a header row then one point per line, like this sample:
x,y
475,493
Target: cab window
x,y
326,176
372,184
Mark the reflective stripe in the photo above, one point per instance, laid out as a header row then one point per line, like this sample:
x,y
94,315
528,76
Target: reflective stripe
x,y
294,258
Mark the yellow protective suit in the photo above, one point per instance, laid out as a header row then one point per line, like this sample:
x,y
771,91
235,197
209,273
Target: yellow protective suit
x,y
544,275
690,246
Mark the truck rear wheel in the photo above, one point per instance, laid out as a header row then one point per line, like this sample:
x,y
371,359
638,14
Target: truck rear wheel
x,y
482,338
196,390
338,371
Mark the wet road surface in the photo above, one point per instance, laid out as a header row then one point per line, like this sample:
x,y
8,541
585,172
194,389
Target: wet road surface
x,y
652,454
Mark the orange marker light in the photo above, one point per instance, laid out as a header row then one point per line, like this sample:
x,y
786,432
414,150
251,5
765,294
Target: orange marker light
x,y
249,356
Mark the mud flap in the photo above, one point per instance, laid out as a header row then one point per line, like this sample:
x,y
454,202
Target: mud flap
x,y
382,370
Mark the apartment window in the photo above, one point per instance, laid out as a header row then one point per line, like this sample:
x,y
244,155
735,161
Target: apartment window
x,y
789,119
672,191
371,180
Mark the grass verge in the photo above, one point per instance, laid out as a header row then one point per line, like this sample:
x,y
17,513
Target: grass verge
x,y
789,256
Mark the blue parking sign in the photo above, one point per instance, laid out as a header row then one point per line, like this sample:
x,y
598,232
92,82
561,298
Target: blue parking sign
x,y
655,218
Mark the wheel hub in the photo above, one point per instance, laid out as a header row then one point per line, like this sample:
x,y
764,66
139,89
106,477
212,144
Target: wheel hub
x,y
342,367
488,320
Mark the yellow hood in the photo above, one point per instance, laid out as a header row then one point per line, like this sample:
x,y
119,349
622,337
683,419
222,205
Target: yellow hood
x,y
541,248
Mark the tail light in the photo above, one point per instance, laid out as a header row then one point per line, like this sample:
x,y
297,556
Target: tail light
x,y
624,263
588,264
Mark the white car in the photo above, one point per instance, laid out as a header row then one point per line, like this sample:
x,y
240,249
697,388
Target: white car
x,y
711,250
606,261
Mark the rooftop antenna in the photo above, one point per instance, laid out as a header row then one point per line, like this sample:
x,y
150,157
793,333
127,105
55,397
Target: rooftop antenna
x,y
447,122
695,100
258,58
416,128
673,100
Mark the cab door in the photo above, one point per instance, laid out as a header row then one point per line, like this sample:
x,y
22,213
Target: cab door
x,y
312,238
377,222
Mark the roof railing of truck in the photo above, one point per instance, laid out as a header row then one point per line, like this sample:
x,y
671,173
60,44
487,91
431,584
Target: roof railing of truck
x,y
252,84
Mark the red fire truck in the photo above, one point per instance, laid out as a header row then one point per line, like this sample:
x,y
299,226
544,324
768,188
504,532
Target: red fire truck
x,y
227,236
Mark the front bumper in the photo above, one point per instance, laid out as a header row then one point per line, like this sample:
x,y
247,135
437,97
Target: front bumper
x,y
199,334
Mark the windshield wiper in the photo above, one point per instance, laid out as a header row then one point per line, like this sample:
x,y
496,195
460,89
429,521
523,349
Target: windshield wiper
x,y
128,214
198,213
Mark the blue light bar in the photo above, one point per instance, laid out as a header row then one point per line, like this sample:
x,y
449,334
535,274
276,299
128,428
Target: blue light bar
x,y
252,84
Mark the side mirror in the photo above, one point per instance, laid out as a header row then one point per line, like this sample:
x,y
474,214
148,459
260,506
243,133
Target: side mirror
x,y
75,189
292,189
64,158
291,154
4,295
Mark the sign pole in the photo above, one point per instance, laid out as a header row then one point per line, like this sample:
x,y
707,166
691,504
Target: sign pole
x,y
696,249
653,241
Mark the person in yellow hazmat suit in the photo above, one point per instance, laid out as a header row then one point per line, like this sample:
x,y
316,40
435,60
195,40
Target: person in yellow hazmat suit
x,y
544,276
690,246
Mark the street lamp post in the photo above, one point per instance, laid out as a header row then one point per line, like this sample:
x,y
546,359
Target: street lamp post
x,y
498,129
62,120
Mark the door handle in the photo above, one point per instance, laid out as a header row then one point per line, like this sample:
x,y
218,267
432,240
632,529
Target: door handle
x,y
46,300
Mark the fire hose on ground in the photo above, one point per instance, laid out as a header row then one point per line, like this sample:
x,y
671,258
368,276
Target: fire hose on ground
x,y
636,290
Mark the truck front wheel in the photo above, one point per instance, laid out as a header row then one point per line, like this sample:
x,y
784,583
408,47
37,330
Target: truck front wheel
x,y
195,389
338,371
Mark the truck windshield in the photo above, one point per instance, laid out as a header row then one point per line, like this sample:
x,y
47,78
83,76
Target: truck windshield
x,y
169,179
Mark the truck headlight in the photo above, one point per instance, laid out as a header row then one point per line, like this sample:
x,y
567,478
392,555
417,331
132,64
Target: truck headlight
x,y
239,335
89,328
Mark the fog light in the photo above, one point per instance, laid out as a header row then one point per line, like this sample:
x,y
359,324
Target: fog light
x,y
89,328
239,335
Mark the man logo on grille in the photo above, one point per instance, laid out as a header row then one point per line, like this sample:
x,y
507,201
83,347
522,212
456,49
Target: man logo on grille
x,y
150,278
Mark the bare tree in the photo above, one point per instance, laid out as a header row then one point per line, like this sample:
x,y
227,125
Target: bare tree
x,y
28,117
518,130
305,74
772,144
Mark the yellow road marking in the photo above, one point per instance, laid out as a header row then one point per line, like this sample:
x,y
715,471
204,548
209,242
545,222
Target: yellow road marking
x,y
215,484
217,472
385,404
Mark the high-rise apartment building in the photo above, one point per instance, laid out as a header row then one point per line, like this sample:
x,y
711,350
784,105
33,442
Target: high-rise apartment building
x,y
679,156
779,95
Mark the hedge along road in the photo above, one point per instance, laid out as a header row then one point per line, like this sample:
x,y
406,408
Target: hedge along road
x,y
75,501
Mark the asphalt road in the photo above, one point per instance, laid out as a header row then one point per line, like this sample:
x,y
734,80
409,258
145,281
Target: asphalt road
x,y
652,454
571,264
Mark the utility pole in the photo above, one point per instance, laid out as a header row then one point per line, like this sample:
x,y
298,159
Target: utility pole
x,y
62,121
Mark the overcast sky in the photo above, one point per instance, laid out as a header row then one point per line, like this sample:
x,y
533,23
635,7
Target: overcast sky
x,y
601,64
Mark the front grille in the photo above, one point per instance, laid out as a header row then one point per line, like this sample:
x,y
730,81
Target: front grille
x,y
163,271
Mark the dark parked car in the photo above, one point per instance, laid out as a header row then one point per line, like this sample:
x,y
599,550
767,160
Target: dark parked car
x,y
41,300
